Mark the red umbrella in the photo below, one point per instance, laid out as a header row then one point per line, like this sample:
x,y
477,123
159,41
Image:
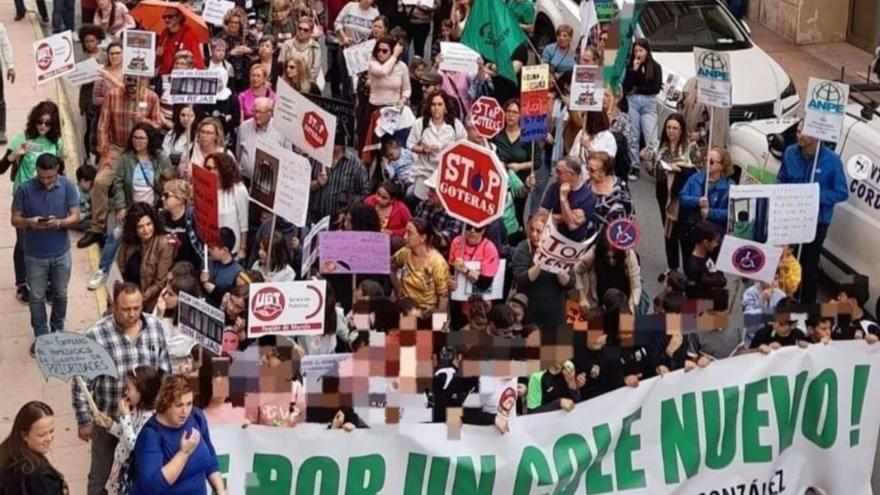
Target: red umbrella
x,y
148,13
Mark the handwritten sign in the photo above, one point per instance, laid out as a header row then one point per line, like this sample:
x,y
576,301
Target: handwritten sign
x,y
215,10
87,71
195,86
357,57
138,53
66,354
349,251
534,102
557,253
201,322
458,58
281,189
206,202
790,215
54,57
309,253
465,289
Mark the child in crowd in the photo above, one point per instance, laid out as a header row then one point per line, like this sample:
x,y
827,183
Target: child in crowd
x,y
789,271
397,163
85,178
699,262
222,270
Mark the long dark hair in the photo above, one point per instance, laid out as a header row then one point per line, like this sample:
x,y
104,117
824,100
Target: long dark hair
x,y
154,144
280,251
596,123
133,216
364,218
227,169
14,452
112,44
147,381
449,118
649,58
385,40
178,129
44,108
682,140
425,229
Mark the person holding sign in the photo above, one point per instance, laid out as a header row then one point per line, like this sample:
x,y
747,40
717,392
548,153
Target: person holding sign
x,y
24,468
797,168
472,246
570,201
696,205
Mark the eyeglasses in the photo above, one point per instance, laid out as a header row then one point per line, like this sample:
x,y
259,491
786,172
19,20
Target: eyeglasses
x,y
304,29
167,17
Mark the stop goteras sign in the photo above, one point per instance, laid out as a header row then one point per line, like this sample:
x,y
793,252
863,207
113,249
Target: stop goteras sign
x,y
471,183
488,116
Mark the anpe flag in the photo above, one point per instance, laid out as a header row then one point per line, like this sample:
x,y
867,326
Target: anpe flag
x,y
492,31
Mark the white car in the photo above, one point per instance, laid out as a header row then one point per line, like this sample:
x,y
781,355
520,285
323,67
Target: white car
x,y
854,233
761,88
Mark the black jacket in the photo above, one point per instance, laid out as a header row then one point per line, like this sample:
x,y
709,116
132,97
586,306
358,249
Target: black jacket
x,y
40,482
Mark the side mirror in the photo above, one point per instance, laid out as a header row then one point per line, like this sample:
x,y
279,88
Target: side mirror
x,y
746,26
776,145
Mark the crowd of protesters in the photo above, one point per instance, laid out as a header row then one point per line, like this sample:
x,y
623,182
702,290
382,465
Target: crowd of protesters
x,y
133,196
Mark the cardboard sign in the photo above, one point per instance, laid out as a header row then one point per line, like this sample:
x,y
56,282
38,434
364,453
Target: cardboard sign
x,y
206,204
215,10
533,102
778,213
65,355
713,77
200,321
195,86
85,72
825,108
281,189
138,53
557,253
306,125
309,253
351,251
458,58
358,57
747,259
464,288
587,91
287,308
53,57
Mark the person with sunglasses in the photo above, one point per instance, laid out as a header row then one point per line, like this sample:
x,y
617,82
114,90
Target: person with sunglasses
x,y
304,46
697,205
470,248
176,36
240,45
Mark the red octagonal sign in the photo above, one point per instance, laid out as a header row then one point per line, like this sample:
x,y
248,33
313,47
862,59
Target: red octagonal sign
x,y
471,183
314,129
488,116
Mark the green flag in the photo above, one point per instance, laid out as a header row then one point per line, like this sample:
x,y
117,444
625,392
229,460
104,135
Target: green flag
x,y
492,31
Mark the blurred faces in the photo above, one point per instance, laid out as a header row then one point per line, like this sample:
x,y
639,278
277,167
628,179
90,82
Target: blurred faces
x,y
263,111
383,197
44,124
233,25
131,393
304,31
139,140
114,56
597,172
807,143
145,228
716,164
207,137
172,19
473,235
187,117
821,331
563,39
640,53
438,107
47,178
170,297
379,29
783,324
265,49
257,77
90,43
41,434
383,52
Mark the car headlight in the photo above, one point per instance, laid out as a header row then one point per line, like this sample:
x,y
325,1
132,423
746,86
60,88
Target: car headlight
x,y
789,90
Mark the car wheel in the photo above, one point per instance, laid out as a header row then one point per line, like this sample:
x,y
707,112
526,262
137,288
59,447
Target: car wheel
x,y
544,33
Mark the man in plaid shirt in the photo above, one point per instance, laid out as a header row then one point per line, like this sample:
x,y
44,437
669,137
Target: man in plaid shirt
x,y
132,338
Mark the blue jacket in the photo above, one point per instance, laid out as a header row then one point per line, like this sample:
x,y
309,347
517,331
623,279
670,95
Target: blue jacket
x,y
719,192
796,168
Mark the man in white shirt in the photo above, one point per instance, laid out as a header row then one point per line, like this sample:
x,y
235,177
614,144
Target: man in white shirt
x,y
258,127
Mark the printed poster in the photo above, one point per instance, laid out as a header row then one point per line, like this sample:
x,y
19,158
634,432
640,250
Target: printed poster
x,y
748,259
713,77
281,189
351,251
774,214
825,108
54,57
201,322
587,91
207,206
310,128
287,308
557,253
138,53
195,86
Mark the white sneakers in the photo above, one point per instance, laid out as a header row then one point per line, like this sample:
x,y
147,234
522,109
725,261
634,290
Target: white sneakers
x,y
97,280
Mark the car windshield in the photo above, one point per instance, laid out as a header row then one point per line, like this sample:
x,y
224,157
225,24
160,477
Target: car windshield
x,y
679,26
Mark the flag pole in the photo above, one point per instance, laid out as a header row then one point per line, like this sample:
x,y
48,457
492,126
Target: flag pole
x,y
708,149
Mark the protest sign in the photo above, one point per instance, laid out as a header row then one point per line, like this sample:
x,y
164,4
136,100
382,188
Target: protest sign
x,y
195,86
54,57
471,183
65,355
825,108
776,214
357,57
748,259
713,77
215,10
783,423
287,308
85,72
557,253
310,128
534,101
458,58
342,109
352,251
283,190
206,203
200,321
309,253
138,53
587,92
464,288
488,116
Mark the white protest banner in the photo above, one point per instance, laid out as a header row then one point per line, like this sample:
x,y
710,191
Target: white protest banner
x,y
67,354
201,322
281,189
825,108
87,71
357,57
195,86
54,57
557,253
215,10
587,91
787,213
287,308
458,58
309,127
748,259
309,253
713,77
751,424
138,53
464,288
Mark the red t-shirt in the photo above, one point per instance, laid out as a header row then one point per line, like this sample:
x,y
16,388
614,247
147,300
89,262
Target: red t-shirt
x,y
183,39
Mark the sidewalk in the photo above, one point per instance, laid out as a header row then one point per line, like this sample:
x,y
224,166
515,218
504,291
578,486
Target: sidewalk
x,y
22,380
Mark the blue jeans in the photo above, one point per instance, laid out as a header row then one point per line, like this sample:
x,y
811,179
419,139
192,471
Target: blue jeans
x,y
643,116
40,271
63,15
111,245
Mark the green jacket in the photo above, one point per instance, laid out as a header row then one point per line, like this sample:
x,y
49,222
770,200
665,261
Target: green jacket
x,y
123,196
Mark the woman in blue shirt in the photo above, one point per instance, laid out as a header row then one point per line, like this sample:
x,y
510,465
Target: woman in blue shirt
x,y
560,55
173,454
696,205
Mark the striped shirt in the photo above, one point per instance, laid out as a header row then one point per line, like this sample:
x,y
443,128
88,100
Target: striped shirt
x,y
346,182
148,348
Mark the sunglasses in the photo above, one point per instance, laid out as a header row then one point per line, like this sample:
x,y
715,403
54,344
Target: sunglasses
x,y
46,122
304,29
477,230
383,50
169,16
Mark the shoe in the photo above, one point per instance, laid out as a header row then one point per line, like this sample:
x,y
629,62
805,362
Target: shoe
x,y
23,295
633,177
19,17
44,20
34,350
97,280
3,139
88,239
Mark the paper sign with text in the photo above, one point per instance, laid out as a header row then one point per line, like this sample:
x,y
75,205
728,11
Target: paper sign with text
x,y
464,288
67,354
790,212
287,308
215,10
281,182
87,71
138,53
195,86
309,127
458,58
351,251
557,253
358,57
713,77
825,108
